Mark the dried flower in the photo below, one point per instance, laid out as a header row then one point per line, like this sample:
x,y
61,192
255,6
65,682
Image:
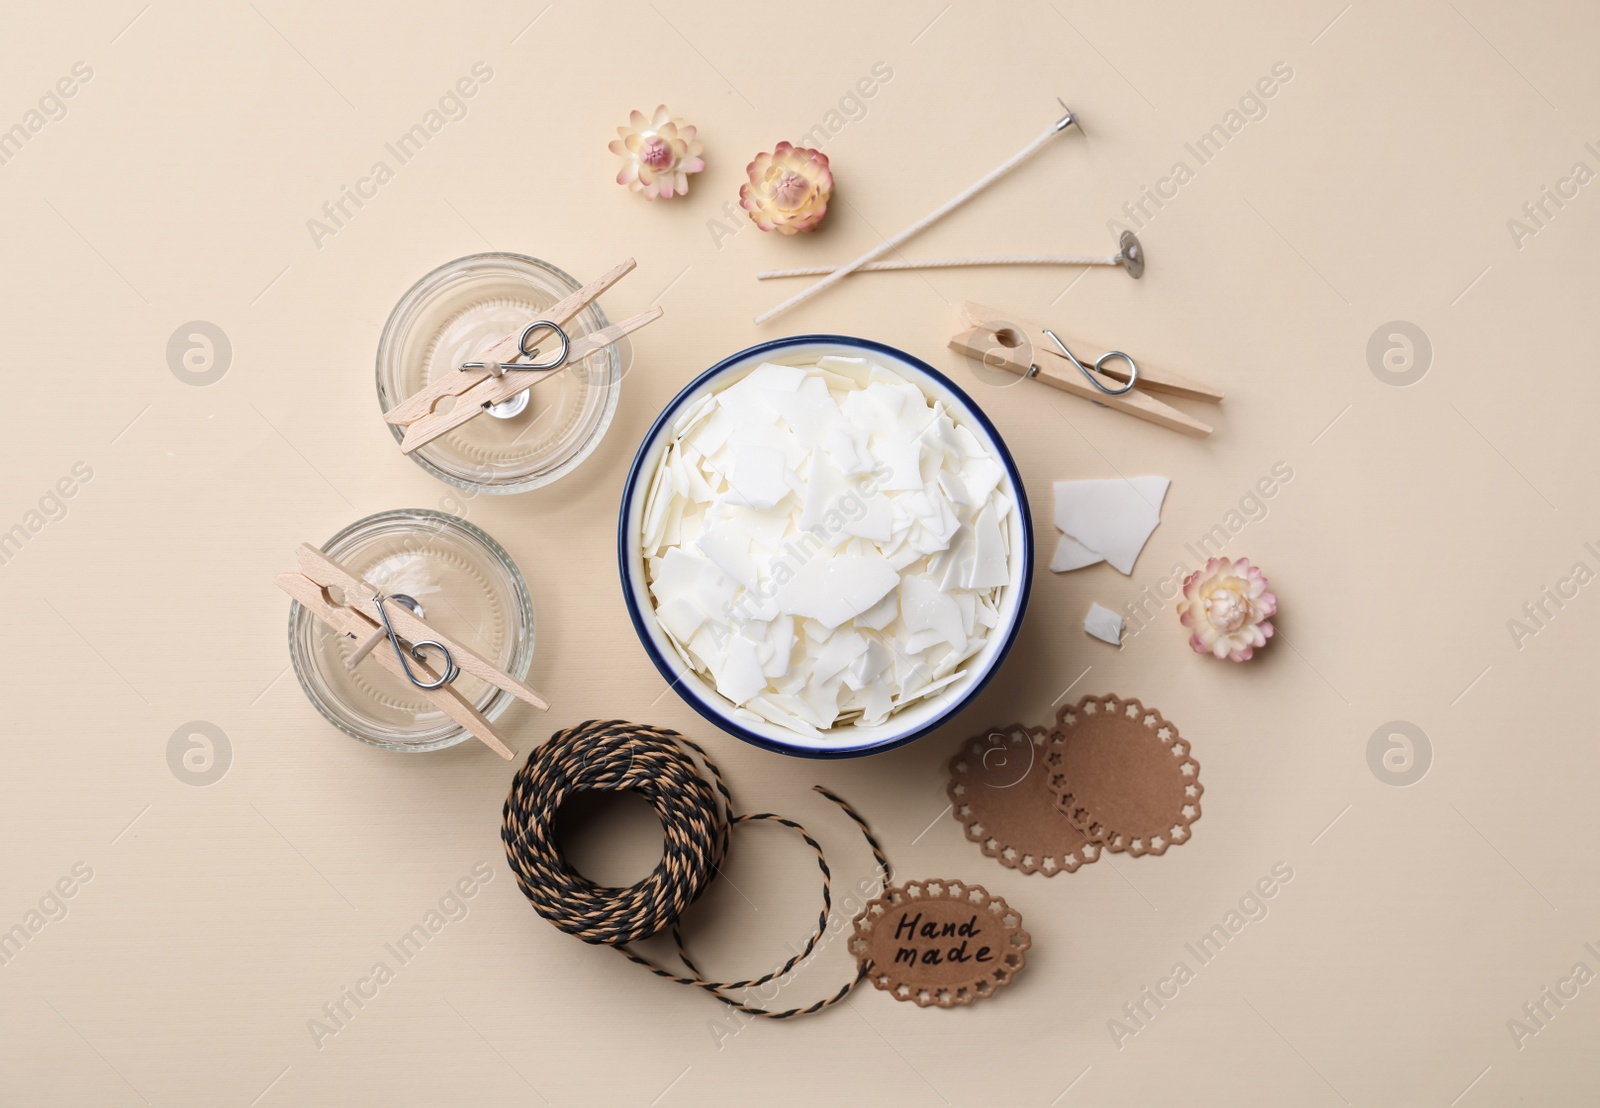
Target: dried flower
x,y
658,154
1226,604
788,190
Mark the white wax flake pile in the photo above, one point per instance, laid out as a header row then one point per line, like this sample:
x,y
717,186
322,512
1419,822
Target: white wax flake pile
x,y
825,544
1106,521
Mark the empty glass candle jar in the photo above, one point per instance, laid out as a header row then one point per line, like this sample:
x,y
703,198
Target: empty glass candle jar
x,y
455,314
465,586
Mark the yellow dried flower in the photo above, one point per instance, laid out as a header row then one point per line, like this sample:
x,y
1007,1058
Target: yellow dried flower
x,y
658,154
788,190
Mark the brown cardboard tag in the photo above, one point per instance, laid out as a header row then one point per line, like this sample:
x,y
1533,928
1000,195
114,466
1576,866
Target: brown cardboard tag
x,y
999,789
938,942
1123,775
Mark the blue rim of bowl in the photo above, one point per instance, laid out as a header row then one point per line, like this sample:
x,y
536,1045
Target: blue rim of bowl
x,y
631,487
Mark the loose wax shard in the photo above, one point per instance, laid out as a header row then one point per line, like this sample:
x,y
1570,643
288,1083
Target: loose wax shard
x,y
1112,518
1104,624
832,590
1071,554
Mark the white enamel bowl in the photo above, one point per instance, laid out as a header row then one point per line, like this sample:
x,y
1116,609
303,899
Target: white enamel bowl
x,y
848,741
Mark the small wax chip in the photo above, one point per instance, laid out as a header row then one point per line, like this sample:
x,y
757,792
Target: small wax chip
x,y
858,370
876,521
871,662
1071,554
757,476
989,566
1103,624
968,443
687,480
923,607
779,378
741,676
887,397
694,414
919,641
954,489
981,476
728,545
881,614
809,411
780,646
825,491
709,436
678,574
953,565
902,455
681,618
847,449
832,590
840,651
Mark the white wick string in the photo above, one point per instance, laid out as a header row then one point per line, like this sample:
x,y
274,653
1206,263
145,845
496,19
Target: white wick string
x,y
950,263
922,224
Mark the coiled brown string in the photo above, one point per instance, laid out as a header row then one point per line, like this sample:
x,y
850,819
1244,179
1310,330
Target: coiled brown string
x,y
696,816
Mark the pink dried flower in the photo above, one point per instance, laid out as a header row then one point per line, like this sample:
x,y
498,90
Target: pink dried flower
x,y
788,190
658,154
1226,605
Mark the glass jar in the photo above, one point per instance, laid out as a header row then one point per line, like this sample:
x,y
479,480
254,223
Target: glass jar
x,y
453,315
468,588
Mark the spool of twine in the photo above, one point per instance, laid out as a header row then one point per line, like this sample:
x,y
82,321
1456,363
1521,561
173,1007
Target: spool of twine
x,y
697,815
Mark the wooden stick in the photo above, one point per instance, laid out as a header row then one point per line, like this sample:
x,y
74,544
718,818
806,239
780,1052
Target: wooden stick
x,y
359,654
309,595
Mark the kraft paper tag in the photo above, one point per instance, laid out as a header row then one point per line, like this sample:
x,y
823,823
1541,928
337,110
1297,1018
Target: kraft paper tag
x,y
1122,775
999,789
938,942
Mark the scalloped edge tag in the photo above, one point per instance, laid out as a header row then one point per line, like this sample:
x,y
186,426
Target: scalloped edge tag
x,y
1010,810
1123,775
939,943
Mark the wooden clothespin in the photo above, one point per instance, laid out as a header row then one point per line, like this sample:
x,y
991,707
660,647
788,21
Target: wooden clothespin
x,y
1002,342
500,374
367,615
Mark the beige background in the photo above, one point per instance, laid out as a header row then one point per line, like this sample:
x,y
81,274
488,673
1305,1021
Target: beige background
x,y
1418,521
